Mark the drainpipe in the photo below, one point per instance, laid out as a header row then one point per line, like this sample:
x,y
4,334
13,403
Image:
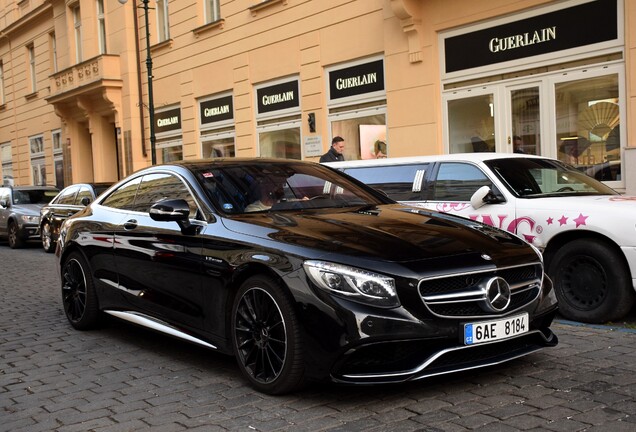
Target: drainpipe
x,y
140,104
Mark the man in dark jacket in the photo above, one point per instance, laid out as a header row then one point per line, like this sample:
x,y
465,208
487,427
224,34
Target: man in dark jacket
x,y
335,152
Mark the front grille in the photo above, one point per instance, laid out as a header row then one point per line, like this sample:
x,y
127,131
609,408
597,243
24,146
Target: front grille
x,y
464,295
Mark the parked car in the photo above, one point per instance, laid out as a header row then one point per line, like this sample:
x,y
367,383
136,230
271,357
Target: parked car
x,y
333,281
20,211
584,228
68,202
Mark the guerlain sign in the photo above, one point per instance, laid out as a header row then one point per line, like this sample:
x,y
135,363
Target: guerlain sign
x,y
168,120
216,110
356,80
277,97
573,27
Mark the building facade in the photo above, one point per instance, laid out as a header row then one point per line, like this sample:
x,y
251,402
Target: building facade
x,y
281,78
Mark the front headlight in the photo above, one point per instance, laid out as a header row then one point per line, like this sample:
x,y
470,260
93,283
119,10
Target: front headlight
x,y
31,219
353,283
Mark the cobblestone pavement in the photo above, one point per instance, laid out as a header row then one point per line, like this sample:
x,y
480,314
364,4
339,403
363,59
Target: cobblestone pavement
x,y
124,378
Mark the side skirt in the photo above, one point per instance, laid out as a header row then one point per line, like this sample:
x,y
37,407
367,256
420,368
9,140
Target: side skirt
x,y
155,324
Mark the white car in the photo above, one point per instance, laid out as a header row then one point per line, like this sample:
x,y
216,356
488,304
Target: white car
x,y
586,230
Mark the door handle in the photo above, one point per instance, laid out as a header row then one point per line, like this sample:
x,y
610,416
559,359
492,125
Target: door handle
x,y
130,224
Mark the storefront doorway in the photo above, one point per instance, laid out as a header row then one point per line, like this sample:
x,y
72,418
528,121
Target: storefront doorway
x,y
573,115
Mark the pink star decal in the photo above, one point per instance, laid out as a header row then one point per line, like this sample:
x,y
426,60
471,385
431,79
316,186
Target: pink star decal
x,y
563,220
549,221
580,220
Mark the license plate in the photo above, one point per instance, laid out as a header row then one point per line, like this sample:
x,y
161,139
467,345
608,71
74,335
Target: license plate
x,y
486,331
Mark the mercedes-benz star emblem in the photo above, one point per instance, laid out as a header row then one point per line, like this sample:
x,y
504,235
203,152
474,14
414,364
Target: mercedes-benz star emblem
x,y
497,294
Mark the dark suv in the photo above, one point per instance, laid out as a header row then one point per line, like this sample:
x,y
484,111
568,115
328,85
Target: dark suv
x,y
20,211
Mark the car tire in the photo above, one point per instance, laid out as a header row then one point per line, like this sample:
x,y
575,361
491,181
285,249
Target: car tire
x,y
592,281
47,240
15,242
266,337
78,293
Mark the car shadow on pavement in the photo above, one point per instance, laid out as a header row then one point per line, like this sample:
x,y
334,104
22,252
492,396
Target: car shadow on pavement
x,y
168,355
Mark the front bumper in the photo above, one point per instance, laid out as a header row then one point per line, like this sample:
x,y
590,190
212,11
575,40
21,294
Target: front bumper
x,y
392,362
630,255
358,344
29,231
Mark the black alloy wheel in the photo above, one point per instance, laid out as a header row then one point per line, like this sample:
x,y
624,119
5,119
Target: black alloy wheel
x,y
47,241
15,242
266,337
78,293
592,281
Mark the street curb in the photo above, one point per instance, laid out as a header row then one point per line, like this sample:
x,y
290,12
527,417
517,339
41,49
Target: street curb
x,y
597,326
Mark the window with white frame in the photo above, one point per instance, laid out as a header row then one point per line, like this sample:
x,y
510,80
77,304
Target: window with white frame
x,y
278,118
217,126
36,145
218,144
358,113
101,27
7,165
56,137
77,24
169,150
53,51
212,11
38,167
163,25
32,75
58,158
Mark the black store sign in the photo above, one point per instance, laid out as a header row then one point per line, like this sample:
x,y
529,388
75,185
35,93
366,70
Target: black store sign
x,y
217,110
278,97
577,26
166,121
357,80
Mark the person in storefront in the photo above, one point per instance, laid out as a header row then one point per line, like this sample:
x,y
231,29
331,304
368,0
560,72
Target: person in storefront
x,y
517,144
335,152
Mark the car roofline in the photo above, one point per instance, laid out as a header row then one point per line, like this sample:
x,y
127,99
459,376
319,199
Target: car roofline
x,y
455,157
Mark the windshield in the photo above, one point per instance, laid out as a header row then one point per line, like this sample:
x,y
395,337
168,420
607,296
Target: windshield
x,y
266,186
539,178
33,196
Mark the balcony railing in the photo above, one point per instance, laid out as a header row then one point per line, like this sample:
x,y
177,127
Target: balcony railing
x,y
86,74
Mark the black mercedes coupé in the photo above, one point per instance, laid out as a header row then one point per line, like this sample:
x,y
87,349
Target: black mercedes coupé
x,y
303,273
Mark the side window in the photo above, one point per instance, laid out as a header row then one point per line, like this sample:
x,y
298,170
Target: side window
x,y
20,197
84,192
124,196
156,187
67,197
458,182
399,182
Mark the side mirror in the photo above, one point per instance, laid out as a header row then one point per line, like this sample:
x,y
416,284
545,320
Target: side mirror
x,y
85,201
482,196
3,204
176,210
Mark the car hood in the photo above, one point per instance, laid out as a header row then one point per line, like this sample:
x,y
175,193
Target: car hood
x,y
389,233
27,209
